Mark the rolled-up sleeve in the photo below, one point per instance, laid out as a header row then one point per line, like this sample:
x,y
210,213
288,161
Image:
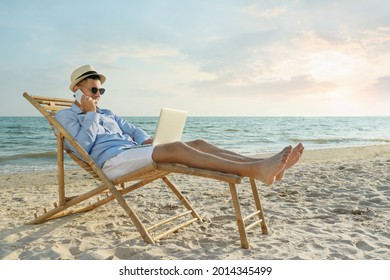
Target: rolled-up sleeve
x,y
137,134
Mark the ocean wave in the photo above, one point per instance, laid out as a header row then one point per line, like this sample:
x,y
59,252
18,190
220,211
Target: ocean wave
x,y
44,155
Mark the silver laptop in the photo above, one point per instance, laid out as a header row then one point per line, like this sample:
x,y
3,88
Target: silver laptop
x,y
170,127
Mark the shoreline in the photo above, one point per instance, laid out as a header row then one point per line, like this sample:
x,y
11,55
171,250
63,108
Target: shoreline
x,y
340,153
335,204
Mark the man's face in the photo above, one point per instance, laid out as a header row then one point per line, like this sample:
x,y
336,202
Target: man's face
x,y
86,87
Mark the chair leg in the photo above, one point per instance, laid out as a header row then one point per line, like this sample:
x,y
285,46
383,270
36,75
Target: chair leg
x,y
60,162
180,196
239,218
256,196
130,212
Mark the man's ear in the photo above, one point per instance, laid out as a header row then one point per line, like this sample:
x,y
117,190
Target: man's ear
x,y
75,88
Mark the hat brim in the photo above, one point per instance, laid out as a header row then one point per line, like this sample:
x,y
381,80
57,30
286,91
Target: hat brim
x,y
78,80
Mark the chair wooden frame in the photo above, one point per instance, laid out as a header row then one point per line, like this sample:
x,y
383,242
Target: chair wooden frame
x,y
116,189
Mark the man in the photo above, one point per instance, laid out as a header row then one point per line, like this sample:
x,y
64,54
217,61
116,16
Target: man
x,y
115,144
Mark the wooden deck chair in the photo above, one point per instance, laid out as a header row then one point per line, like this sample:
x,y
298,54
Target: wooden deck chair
x,y
116,189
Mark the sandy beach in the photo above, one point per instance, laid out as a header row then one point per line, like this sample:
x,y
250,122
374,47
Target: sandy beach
x,y
335,204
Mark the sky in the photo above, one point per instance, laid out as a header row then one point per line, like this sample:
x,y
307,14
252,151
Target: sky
x,y
210,57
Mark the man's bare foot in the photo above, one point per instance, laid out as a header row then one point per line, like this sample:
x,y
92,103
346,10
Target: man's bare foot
x,y
293,159
271,167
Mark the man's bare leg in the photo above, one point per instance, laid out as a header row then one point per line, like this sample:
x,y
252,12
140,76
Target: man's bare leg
x,y
206,147
293,159
265,170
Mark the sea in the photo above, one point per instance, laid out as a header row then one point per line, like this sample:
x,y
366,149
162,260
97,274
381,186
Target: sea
x,y
27,144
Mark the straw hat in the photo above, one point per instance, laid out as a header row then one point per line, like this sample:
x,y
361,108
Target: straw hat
x,y
83,72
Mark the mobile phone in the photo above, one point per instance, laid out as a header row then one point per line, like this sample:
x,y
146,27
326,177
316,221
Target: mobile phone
x,y
77,95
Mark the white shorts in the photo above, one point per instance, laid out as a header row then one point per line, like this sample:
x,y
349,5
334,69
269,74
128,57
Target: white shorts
x,y
128,161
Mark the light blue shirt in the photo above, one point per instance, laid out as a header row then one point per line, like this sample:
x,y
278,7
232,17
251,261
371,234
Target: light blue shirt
x,y
102,134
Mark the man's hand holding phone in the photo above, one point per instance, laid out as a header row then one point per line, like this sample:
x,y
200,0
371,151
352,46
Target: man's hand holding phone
x,y
86,103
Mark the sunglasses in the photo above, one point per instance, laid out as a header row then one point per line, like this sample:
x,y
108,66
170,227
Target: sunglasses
x,y
94,90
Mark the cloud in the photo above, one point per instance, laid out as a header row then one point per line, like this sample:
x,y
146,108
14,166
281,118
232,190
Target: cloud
x,y
375,43
300,62
255,10
296,85
112,53
382,87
